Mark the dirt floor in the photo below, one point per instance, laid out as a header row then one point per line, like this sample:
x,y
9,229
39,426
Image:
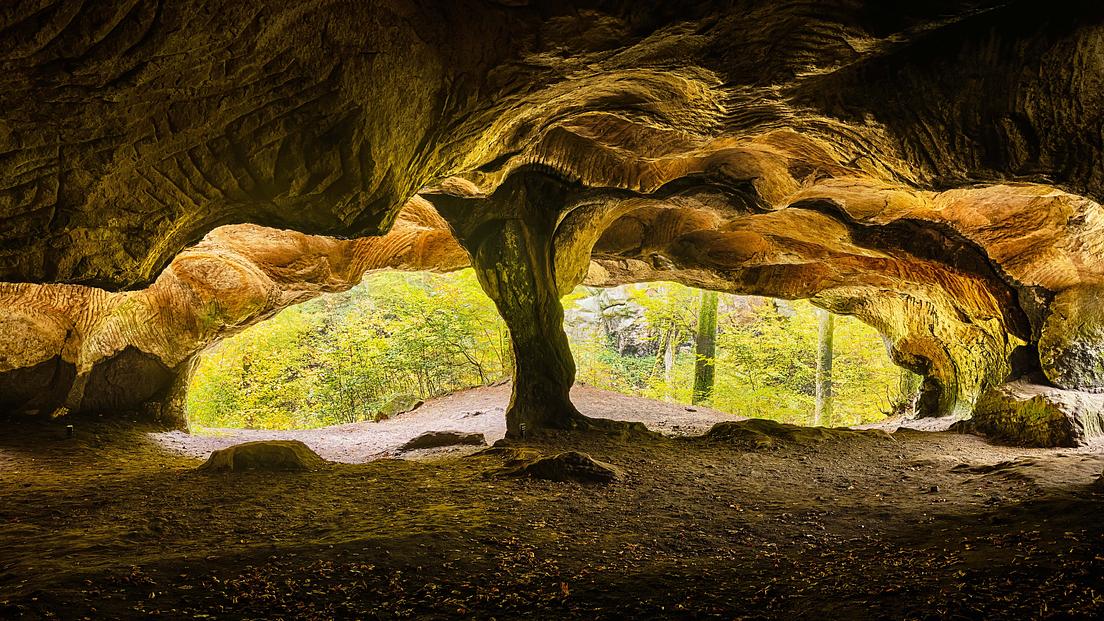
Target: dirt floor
x,y
479,410
116,523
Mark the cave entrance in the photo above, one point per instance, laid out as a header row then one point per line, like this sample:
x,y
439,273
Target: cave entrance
x,y
381,348
783,360
401,338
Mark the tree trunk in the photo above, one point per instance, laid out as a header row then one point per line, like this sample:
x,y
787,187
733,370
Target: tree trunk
x,y
825,327
513,260
908,387
668,364
705,350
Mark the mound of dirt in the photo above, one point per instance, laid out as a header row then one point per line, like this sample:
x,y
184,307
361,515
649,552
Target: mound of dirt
x,y
758,433
438,439
567,466
268,455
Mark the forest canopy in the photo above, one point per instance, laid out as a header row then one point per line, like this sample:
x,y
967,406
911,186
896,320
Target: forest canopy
x,y
399,337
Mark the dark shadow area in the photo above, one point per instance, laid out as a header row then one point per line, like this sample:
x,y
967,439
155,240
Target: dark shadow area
x,y
863,525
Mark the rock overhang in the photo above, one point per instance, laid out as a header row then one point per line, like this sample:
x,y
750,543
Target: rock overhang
x,y
931,170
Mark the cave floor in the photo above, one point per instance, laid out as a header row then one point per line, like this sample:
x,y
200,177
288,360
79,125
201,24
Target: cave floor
x,y
111,524
475,410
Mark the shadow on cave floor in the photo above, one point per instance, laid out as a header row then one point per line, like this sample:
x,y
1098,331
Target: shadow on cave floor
x,y
110,524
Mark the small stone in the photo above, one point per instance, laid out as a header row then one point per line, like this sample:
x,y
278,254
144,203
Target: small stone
x,y
399,404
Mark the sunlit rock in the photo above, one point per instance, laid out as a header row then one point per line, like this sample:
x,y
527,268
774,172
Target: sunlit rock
x,y
1071,348
399,404
1031,415
75,348
265,455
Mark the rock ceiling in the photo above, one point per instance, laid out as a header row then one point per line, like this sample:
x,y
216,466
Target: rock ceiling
x,y
934,169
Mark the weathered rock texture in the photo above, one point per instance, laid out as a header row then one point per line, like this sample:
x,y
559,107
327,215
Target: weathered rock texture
x,y
86,349
564,467
1032,415
438,439
758,433
932,168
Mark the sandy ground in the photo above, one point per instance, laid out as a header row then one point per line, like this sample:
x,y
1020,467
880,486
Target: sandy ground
x,y
117,523
480,410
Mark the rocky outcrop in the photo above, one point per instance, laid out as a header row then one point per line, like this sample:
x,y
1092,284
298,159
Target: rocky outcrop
x,y
761,434
931,169
1071,347
567,466
399,404
1028,414
85,349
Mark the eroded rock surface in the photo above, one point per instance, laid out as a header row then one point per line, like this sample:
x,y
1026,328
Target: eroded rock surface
x,y
931,169
86,349
1027,414
567,466
758,433
438,439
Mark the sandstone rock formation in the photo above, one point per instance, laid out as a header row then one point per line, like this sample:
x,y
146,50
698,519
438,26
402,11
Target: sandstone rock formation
x,y
758,433
1032,415
86,349
931,168
567,466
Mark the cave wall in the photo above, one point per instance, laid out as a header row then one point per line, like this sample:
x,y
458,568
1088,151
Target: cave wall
x,y
78,348
932,168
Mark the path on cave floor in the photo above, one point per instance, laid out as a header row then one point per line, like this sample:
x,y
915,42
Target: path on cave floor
x,y
480,410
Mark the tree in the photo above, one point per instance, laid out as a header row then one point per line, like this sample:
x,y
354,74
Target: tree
x,y
825,328
669,313
705,348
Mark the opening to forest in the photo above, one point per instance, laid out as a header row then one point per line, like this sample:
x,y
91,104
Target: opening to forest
x,y
400,338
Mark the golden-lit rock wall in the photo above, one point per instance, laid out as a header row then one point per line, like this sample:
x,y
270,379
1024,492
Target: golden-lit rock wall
x,y
84,348
932,168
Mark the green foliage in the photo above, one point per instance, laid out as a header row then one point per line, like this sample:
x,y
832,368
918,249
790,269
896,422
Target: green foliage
x,y
765,361
767,368
338,359
670,309
599,365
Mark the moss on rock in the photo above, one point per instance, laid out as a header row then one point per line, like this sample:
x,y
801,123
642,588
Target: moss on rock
x,y
1041,416
267,455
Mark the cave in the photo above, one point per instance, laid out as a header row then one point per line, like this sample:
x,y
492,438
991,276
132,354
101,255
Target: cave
x,y
175,171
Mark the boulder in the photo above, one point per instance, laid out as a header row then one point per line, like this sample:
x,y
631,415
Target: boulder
x,y
567,466
437,439
398,404
1042,416
267,455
